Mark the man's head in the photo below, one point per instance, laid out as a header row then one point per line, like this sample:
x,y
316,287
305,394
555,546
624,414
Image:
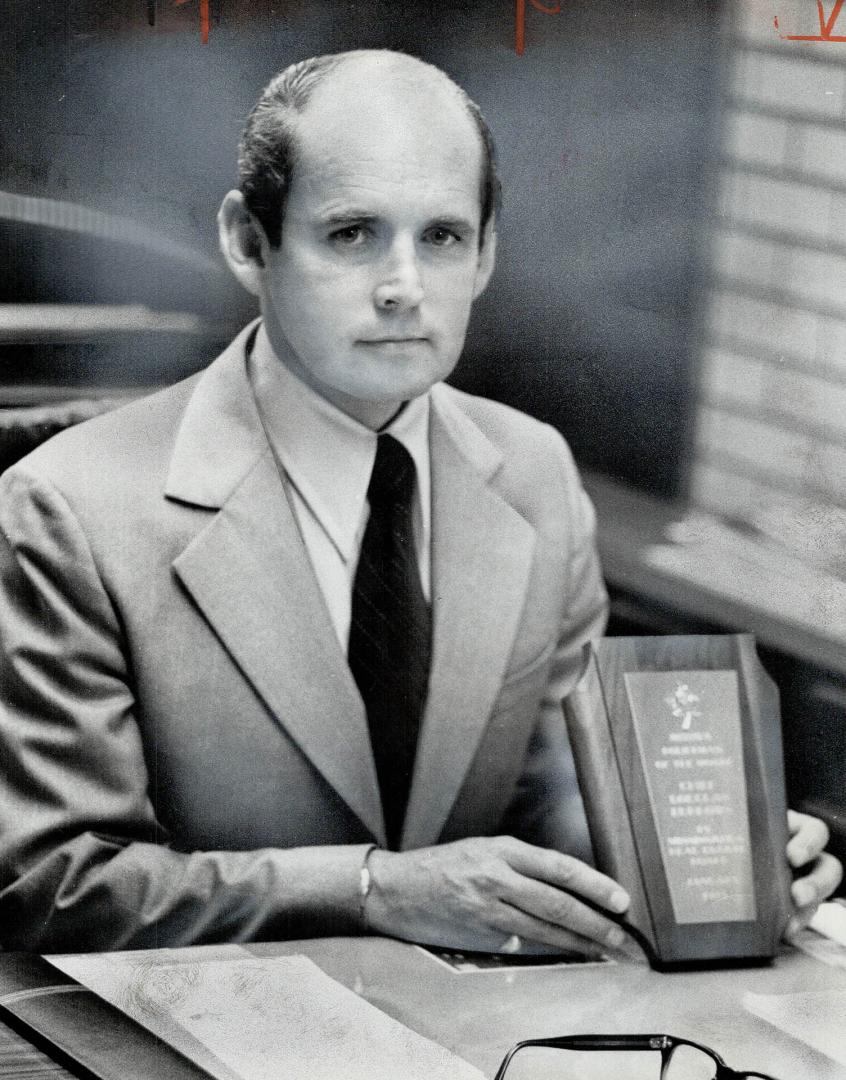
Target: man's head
x,y
369,238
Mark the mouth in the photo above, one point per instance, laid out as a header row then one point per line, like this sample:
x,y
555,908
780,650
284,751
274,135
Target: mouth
x,y
396,340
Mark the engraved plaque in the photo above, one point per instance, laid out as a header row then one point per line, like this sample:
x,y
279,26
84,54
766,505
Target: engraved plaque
x,y
687,727
677,744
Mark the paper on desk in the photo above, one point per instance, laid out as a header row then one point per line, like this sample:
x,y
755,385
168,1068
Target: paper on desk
x,y
830,921
825,938
815,1017
263,1018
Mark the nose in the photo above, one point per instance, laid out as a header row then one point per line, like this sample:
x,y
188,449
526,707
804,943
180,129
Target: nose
x,y
399,287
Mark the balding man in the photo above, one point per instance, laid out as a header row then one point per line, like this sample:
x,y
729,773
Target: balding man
x,y
284,645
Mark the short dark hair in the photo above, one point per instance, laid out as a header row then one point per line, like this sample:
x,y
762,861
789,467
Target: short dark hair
x,y
268,150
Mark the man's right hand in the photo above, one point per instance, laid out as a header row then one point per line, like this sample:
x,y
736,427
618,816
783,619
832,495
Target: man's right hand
x,y
475,894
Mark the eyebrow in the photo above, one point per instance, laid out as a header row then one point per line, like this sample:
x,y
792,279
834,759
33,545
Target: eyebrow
x,y
459,224
347,215
339,217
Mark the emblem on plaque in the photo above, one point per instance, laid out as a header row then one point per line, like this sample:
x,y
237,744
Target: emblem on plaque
x,y
682,704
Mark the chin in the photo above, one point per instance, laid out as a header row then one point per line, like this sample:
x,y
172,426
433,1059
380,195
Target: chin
x,y
397,393
396,389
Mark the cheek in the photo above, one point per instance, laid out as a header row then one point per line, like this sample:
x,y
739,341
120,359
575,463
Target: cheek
x,y
305,279
452,287
455,303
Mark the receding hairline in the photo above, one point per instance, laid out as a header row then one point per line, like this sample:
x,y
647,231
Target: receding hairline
x,y
392,64
399,71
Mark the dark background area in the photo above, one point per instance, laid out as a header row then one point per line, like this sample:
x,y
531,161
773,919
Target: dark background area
x,y
603,127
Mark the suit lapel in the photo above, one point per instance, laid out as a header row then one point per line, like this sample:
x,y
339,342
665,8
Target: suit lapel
x,y
482,552
250,575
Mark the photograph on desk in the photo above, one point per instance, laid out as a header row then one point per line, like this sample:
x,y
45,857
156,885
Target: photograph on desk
x,y
422,535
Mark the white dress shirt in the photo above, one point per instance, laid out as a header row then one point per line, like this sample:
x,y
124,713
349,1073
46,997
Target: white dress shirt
x,y
326,459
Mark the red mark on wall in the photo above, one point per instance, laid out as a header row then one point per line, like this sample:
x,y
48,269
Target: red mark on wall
x,y
205,18
827,24
519,18
520,21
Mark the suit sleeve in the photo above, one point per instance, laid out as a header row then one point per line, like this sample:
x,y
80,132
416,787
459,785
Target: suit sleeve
x,y
84,864
547,807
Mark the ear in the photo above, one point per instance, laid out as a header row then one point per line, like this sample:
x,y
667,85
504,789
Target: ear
x,y
242,241
487,259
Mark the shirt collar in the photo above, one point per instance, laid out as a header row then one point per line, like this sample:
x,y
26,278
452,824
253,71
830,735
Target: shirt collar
x,y
327,456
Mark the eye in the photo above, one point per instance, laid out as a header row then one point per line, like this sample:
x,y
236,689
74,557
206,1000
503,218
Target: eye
x,y
441,236
349,236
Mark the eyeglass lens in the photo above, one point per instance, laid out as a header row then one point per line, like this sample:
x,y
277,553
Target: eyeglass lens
x,y
543,1063
689,1063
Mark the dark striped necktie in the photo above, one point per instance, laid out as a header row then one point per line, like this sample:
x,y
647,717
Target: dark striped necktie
x,y
390,632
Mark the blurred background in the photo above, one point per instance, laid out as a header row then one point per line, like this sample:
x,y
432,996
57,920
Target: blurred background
x,y
670,289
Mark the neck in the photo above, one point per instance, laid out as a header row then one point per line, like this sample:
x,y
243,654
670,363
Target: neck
x,y
391,418
375,415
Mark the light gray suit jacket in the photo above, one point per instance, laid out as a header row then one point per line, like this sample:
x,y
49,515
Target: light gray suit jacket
x,y
185,755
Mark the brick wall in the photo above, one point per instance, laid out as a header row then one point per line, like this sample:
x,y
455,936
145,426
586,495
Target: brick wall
x,y
770,445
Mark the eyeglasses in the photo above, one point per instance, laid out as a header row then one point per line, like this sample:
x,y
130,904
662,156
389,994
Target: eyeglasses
x,y
620,1057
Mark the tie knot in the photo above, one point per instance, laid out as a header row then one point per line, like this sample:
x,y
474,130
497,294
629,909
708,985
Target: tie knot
x,y
392,479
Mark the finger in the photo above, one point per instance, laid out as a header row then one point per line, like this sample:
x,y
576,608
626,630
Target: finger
x,y
809,836
817,885
555,907
799,921
794,927
565,872
510,920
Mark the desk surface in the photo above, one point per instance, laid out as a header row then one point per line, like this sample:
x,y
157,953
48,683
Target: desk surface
x,y
479,1015
713,570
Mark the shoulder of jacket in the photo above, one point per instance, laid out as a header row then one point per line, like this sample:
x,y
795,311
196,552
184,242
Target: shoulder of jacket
x,y
128,436
513,432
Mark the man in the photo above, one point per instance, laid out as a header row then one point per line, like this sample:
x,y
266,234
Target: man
x,y
246,638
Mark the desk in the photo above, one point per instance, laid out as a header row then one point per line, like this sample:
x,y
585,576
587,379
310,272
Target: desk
x,y
480,1015
719,572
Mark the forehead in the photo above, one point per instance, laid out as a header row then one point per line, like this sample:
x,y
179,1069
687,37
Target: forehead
x,y
402,136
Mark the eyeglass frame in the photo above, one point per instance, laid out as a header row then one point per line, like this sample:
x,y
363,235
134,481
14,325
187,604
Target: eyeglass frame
x,y
665,1044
